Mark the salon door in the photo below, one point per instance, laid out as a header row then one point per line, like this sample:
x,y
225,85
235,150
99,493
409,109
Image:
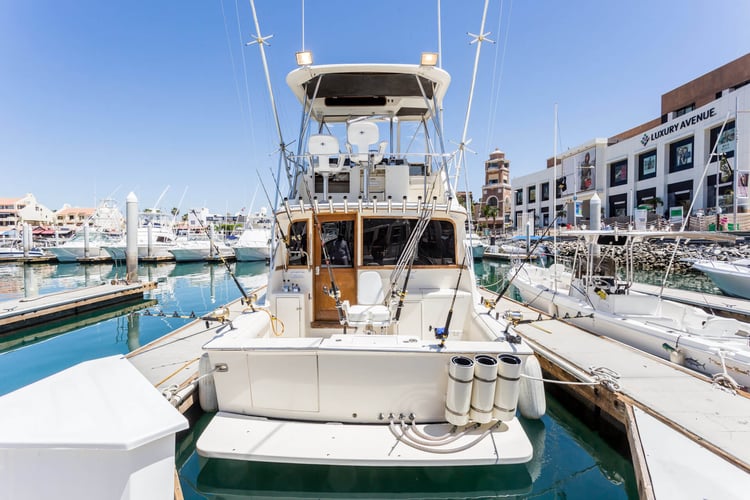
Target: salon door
x,y
337,235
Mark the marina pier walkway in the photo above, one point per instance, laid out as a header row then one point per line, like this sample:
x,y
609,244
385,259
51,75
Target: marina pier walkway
x,y
29,311
688,438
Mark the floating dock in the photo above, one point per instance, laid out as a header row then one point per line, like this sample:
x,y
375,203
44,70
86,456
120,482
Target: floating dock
x,y
688,438
31,311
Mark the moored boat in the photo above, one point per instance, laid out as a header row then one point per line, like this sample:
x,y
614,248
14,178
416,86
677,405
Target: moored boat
x,y
371,346
594,297
732,278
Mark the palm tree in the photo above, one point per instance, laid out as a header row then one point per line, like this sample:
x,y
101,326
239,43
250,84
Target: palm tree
x,y
175,211
490,212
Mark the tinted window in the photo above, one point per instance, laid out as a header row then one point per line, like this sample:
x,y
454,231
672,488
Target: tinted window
x,y
385,239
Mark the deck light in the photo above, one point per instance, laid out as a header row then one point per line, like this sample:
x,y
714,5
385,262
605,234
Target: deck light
x,y
428,59
304,58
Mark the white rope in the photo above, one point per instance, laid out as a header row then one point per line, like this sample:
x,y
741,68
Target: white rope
x,y
602,376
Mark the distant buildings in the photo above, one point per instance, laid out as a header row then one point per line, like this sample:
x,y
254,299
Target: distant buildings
x,y
658,165
15,211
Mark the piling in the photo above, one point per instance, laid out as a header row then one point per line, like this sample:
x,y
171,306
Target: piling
x,y
131,249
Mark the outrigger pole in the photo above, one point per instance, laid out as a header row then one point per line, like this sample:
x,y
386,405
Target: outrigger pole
x,y
262,41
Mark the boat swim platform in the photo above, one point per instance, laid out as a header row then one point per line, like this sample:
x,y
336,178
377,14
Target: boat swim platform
x,y
666,409
242,437
25,312
721,305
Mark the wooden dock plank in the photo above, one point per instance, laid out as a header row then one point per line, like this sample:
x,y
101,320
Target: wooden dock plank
x,y
28,311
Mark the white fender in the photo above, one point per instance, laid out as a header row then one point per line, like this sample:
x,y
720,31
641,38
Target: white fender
x,y
206,387
531,402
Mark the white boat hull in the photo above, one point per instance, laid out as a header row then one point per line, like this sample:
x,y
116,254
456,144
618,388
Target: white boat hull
x,y
732,279
645,323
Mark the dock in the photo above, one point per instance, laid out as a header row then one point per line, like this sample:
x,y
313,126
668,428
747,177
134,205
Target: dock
x,y
25,312
687,437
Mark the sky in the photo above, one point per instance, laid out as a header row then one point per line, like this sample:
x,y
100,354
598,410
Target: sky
x,y
165,99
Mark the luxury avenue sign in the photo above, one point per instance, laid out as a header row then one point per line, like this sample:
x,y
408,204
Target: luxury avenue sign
x,y
665,131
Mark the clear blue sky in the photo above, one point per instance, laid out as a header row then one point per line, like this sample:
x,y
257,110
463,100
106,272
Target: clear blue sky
x,y
100,98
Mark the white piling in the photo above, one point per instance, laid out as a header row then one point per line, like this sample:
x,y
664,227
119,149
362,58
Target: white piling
x,y
26,239
86,240
131,239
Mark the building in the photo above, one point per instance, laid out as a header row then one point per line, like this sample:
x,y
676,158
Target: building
x,y
73,217
16,211
694,158
496,191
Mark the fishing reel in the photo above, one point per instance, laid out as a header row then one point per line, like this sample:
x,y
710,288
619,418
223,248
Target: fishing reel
x,y
334,292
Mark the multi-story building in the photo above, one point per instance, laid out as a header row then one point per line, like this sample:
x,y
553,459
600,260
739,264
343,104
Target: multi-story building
x,y
72,217
16,211
496,191
694,158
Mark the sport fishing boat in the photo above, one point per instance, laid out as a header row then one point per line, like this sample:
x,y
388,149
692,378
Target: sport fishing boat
x,y
200,249
371,346
254,243
593,296
103,228
156,236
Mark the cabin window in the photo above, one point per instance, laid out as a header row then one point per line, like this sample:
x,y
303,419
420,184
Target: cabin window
x,y
338,238
298,251
384,239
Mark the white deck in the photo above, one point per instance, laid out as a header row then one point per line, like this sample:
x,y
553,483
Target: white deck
x,y
675,460
250,438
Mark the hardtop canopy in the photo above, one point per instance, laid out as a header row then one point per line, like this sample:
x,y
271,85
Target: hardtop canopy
x,y
342,91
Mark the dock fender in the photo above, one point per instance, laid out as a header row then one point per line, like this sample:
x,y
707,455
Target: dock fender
x,y
206,386
531,402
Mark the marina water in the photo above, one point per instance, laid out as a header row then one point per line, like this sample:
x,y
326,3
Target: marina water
x,y
571,458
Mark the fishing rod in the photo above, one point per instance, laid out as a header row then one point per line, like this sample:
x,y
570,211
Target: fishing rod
x,y
334,292
246,298
402,293
275,219
528,255
443,333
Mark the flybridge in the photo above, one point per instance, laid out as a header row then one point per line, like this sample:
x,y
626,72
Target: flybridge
x,y
699,117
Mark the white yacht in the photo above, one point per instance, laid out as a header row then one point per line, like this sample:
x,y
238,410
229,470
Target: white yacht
x,y
595,298
200,249
371,346
156,236
105,228
254,244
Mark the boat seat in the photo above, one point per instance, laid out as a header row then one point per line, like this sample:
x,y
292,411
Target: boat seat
x,y
370,309
362,135
330,160
326,149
